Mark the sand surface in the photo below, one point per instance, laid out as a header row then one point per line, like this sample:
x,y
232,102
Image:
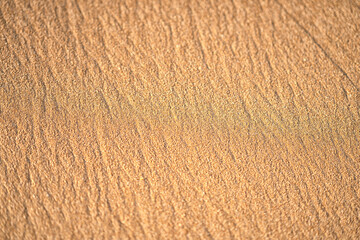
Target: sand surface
x,y
179,119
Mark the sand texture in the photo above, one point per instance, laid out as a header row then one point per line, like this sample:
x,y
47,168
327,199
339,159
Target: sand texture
x,y
179,119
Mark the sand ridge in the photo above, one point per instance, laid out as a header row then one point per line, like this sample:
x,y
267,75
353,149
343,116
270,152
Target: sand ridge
x,y
179,119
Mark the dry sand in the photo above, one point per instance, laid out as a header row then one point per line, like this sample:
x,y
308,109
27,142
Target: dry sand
x,y
179,119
